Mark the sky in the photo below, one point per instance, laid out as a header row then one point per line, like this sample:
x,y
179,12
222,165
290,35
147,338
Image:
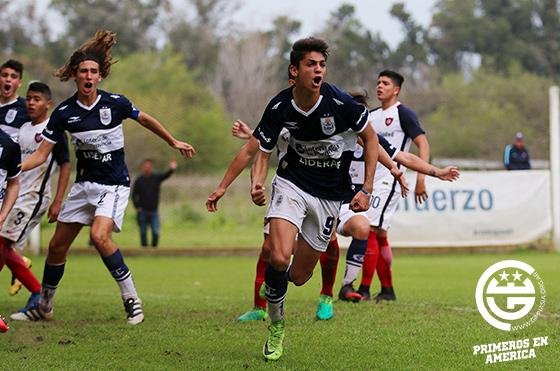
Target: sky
x,y
374,14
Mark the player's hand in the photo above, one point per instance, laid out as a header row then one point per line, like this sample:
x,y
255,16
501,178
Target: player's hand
x,y
360,202
186,149
173,165
420,193
241,130
212,200
54,210
399,175
450,173
258,194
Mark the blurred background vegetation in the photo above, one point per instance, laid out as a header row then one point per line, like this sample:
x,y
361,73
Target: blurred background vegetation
x,y
476,74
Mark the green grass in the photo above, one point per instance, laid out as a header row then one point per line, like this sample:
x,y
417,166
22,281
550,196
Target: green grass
x,y
191,304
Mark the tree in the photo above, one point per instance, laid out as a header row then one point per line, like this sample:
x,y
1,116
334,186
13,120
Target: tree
x,y
132,20
357,54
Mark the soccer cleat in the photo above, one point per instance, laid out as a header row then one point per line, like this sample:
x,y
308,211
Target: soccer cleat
x,y
365,295
262,291
255,314
33,301
4,327
387,294
273,348
347,293
325,310
33,313
134,313
15,284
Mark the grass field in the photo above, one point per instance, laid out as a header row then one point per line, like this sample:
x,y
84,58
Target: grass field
x,y
191,305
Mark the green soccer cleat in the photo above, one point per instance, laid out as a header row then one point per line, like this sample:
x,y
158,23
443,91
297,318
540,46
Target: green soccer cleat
x,y
255,314
325,310
273,348
262,291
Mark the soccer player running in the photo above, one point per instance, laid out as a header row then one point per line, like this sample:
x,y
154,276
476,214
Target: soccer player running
x,y
312,179
100,193
400,126
12,107
35,196
357,225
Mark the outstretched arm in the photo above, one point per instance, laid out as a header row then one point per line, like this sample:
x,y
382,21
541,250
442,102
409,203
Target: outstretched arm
x,y
157,128
413,162
386,161
240,162
12,191
38,157
421,141
360,201
258,177
241,130
63,179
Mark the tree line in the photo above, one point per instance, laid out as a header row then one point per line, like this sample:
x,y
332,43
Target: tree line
x,y
476,74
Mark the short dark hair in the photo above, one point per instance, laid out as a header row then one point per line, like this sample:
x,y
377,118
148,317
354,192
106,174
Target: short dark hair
x,y
359,94
40,87
304,46
396,77
14,65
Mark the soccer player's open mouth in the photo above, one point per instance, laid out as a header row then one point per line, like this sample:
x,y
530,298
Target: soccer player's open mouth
x,y
317,80
6,88
88,85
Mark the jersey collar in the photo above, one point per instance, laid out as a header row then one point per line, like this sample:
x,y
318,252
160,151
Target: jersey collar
x,y
312,108
89,107
7,104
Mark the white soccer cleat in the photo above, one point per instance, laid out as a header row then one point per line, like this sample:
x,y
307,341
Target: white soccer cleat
x,y
134,312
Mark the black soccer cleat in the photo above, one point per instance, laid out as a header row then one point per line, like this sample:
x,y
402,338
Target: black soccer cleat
x,y
347,293
387,294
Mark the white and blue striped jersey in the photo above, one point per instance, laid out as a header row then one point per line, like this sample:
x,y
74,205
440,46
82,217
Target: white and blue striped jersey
x,y
37,179
10,159
12,116
322,140
399,125
97,135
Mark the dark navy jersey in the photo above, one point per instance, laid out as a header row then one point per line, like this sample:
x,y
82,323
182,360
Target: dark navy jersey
x,y
322,140
357,167
10,158
97,135
12,116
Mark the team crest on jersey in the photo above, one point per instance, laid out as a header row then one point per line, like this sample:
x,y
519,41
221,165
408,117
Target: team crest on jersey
x,y
10,115
38,137
388,121
327,125
105,115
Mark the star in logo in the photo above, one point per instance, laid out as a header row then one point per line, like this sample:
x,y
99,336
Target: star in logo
x,y
504,275
517,276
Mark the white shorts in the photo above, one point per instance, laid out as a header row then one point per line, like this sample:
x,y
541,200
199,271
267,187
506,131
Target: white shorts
x,y
24,217
345,215
383,206
315,217
87,200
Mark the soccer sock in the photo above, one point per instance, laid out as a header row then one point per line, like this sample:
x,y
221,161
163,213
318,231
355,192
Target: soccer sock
x,y
17,265
370,262
329,263
120,272
259,280
384,263
51,277
276,288
354,260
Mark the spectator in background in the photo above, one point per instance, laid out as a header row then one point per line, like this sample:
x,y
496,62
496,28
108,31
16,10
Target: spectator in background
x,y
145,196
516,156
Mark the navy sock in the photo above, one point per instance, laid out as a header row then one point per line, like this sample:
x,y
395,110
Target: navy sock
x,y
116,266
354,260
52,275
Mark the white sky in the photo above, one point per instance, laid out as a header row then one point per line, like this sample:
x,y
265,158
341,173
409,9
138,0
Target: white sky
x,y
374,14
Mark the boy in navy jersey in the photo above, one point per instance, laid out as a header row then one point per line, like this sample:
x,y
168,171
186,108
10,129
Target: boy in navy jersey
x,y
12,107
312,179
100,193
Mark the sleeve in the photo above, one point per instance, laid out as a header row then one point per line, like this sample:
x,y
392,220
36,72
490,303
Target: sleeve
x,y
128,109
388,147
409,122
268,129
60,152
164,176
54,130
14,161
135,195
507,152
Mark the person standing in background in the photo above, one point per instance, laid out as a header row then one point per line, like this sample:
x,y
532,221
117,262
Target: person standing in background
x,y
516,156
145,197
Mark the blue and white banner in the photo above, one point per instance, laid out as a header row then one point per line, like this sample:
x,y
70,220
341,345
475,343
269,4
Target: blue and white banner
x,y
482,208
